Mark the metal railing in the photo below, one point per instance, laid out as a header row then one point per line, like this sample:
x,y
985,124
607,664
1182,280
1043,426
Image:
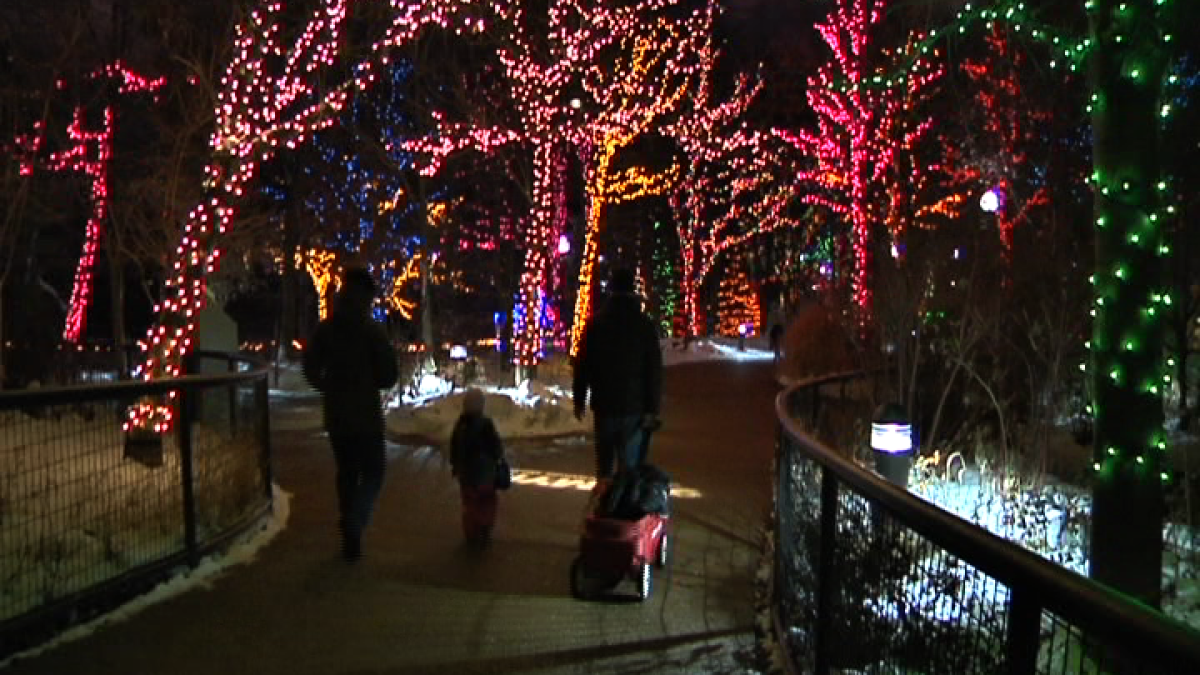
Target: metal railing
x,y
91,516
870,578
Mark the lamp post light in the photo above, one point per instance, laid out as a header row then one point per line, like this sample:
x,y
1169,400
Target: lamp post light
x,y
742,330
992,201
891,443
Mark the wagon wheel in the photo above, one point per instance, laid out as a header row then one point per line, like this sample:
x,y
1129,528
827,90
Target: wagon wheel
x,y
644,583
585,585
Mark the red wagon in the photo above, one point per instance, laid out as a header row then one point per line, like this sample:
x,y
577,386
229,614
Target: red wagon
x,y
611,549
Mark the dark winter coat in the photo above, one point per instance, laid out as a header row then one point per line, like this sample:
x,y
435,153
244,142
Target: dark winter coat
x,y
619,361
349,359
475,447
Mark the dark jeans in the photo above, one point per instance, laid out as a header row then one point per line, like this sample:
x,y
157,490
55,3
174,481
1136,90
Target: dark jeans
x,y
619,441
360,464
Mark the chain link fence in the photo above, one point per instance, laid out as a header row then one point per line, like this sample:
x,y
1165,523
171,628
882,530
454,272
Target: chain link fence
x,y
870,579
90,516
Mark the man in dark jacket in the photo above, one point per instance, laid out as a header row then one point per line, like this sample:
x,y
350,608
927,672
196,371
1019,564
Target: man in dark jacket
x,y
620,363
349,359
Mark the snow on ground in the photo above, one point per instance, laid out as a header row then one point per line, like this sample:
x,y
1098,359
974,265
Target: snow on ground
x,y
426,408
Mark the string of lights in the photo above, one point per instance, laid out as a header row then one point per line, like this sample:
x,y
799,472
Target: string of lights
x,y
269,100
90,155
860,129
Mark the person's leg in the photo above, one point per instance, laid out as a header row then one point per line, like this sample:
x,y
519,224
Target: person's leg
x,y
630,444
605,447
372,465
346,457
467,493
346,477
488,505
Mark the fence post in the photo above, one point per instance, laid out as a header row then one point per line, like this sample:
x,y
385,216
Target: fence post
x,y
263,403
232,390
1024,632
826,584
187,474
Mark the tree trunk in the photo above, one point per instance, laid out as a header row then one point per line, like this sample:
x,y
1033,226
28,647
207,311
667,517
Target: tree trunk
x,y
1127,333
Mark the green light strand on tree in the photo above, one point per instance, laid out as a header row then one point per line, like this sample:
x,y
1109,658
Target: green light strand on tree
x,y
1127,367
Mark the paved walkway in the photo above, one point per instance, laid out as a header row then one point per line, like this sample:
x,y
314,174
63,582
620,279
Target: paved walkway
x,y
421,602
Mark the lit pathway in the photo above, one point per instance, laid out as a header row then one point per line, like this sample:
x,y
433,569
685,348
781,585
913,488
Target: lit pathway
x,y
421,603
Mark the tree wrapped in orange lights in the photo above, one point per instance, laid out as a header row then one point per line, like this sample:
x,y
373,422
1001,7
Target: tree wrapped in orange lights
x,y
270,100
859,132
738,302
547,64
644,85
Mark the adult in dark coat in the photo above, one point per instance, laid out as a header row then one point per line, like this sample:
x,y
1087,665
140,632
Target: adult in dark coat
x,y
619,368
349,359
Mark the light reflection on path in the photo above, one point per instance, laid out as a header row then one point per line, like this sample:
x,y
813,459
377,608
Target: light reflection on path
x,y
583,483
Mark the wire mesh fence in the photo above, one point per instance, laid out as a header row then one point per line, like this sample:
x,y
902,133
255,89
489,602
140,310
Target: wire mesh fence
x,y
84,507
870,579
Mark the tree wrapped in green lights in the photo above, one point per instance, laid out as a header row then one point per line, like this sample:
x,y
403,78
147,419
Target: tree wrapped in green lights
x,y
1130,40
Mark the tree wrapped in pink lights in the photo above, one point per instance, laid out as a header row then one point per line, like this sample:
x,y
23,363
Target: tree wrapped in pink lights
x,y
732,188
89,154
270,100
549,66
863,122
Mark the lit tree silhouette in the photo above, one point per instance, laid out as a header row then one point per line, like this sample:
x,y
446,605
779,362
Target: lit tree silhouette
x,y
269,100
90,154
860,130
644,84
545,66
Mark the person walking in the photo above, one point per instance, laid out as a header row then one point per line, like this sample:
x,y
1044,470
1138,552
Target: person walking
x,y
475,451
619,369
776,337
349,359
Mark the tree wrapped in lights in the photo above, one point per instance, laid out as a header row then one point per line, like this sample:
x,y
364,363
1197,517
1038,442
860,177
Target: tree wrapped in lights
x,y
1009,125
859,110
90,155
1129,63
739,309
269,100
544,65
644,85
727,192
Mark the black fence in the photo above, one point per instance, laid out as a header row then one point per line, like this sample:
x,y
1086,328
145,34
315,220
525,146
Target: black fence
x,y
871,579
90,516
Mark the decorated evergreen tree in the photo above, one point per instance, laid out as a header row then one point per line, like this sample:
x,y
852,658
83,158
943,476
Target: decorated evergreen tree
x,y
737,301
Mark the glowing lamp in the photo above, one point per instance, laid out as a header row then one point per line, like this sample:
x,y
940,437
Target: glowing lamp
x,y
892,444
458,353
743,329
990,201
564,244
575,103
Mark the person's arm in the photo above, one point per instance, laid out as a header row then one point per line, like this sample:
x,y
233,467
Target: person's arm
x,y
580,380
384,357
494,440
